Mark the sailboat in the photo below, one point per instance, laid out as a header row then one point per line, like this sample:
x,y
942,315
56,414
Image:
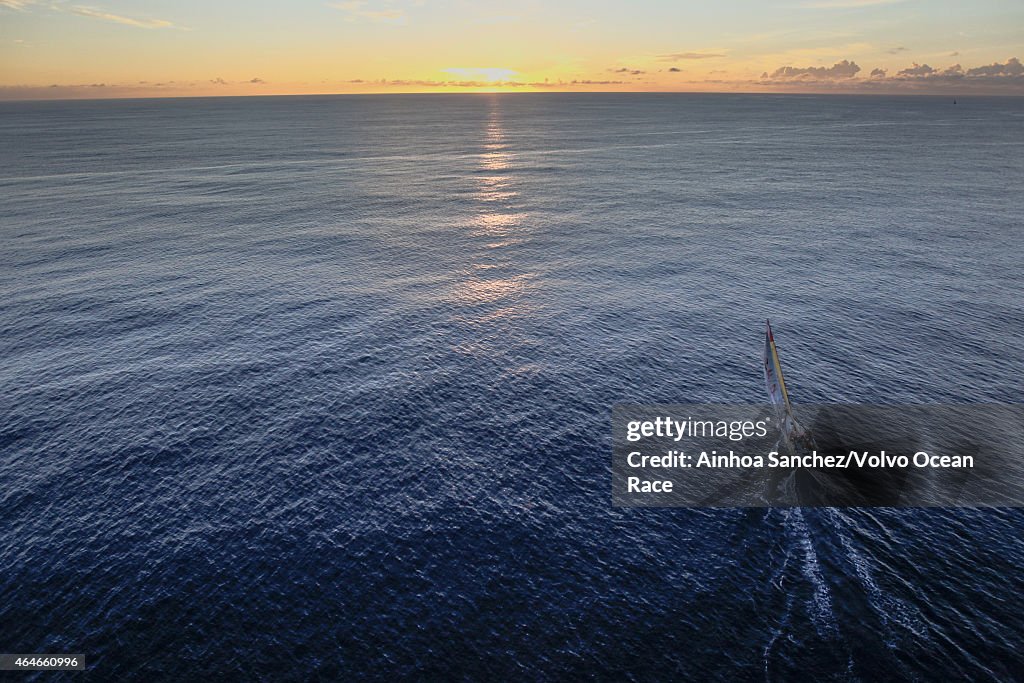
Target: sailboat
x,y
792,433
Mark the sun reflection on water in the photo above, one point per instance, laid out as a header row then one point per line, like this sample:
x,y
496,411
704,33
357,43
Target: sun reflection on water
x,y
494,289
480,290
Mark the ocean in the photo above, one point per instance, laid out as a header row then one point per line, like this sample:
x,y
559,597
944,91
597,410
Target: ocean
x,y
321,387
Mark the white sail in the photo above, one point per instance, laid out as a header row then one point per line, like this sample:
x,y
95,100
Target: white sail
x,y
777,393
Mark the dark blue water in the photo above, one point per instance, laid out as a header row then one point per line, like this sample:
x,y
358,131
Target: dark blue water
x,y
322,386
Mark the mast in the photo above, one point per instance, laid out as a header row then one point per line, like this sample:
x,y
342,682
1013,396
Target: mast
x,y
773,371
776,385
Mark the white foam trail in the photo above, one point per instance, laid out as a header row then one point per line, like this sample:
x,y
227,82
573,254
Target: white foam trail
x,y
821,603
777,581
890,608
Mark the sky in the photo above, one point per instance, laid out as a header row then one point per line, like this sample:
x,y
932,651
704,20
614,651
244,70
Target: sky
x,y
154,48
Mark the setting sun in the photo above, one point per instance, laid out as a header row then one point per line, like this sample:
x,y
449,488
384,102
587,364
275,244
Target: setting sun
x,y
57,50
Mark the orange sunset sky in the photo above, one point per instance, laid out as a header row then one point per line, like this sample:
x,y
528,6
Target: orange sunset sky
x,y
152,48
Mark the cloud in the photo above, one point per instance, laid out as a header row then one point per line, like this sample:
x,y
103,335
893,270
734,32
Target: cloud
x,y
358,9
93,13
567,84
444,84
917,70
1012,68
681,56
627,70
75,91
675,68
846,4
998,78
171,88
897,50
118,19
144,88
407,82
839,70
924,71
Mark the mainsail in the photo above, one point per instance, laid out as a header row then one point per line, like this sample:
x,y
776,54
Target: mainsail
x,y
790,428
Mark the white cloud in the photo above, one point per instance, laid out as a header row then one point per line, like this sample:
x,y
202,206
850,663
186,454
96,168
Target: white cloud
x,y
1012,68
839,70
917,70
1005,78
118,19
681,56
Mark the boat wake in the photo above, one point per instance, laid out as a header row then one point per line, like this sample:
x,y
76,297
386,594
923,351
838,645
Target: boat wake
x,y
820,605
890,609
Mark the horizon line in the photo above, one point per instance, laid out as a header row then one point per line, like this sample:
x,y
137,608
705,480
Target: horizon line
x,y
783,93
